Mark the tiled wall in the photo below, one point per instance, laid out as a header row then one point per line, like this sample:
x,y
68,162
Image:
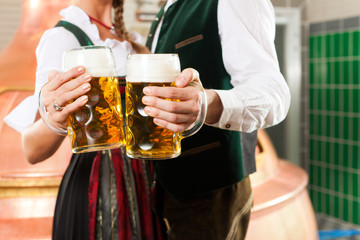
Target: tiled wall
x,y
334,118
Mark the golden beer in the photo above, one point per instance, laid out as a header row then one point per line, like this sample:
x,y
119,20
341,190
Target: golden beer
x,y
144,139
99,124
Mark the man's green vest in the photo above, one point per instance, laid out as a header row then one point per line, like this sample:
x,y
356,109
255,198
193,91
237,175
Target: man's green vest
x,y
213,158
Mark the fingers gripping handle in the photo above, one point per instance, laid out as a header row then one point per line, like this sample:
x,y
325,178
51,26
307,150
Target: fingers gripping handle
x,y
44,116
196,126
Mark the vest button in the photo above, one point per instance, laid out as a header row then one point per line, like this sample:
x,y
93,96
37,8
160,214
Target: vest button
x,y
228,125
150,35
157,19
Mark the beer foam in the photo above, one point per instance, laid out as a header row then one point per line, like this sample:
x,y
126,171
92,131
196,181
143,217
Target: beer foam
x,y
152,68
98,61
101,72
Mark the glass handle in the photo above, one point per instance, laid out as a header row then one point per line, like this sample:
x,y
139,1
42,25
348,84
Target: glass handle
x,y
195,127
44,116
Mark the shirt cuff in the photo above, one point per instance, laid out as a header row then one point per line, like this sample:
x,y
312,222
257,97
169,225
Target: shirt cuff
x,y
230,118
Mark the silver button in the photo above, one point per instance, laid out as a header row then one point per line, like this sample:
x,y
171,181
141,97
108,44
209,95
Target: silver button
x,y
157,19
150,35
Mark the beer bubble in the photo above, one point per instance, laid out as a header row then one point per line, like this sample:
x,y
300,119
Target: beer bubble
x,y
145,144
140,108
82,116
94,131
93,99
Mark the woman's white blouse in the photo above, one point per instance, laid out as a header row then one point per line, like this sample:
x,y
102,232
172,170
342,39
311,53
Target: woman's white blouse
x,y
49,57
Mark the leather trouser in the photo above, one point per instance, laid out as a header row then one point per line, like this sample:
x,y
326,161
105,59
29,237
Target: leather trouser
x,y
220,215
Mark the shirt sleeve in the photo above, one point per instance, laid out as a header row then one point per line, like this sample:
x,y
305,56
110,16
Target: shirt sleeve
x,y
260,96
49,57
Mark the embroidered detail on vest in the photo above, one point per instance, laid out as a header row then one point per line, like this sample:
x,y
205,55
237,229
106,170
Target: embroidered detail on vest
x,y
200,149
189,41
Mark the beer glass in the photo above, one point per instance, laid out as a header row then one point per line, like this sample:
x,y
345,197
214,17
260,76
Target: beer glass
x,y
144,139
99,124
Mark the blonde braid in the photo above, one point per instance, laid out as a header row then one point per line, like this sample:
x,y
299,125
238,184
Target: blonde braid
x,y
120,29
119,20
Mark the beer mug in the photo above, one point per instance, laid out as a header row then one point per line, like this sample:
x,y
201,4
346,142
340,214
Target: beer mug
x,y
99,124
144,139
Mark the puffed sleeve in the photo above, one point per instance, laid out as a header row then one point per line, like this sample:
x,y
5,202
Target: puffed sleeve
x,y
49,56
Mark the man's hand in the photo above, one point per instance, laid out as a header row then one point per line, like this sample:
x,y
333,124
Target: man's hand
x,y
176,116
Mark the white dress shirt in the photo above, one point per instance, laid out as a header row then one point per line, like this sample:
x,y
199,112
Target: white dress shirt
x,y
260,96
49,57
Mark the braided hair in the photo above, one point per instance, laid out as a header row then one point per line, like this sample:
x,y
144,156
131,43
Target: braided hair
x,y
120,29
119,24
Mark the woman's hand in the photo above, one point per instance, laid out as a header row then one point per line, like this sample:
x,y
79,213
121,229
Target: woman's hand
x,y
176,116
60,90
38,140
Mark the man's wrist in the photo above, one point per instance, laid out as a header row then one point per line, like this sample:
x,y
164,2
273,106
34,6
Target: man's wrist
x,y
215,107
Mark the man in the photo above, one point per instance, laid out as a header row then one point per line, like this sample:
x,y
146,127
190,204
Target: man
x,y
206,191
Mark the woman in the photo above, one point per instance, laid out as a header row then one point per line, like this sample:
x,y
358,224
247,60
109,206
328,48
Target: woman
x,y
85,206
